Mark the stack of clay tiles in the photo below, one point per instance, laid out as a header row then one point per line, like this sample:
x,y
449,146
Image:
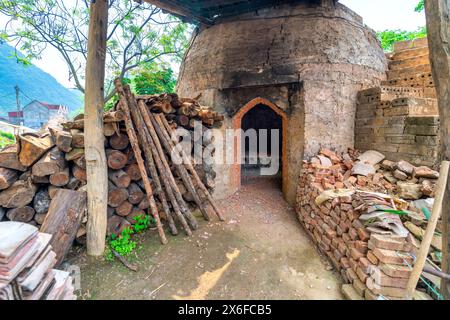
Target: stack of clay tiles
x,y
26,266
351,213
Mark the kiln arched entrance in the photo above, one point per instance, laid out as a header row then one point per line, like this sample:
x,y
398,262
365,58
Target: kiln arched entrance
x,y
245,119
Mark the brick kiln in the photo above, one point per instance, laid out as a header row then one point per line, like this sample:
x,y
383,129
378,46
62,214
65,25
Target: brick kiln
x,y
304,61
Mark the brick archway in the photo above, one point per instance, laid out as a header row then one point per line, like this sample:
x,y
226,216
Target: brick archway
x,y
237,124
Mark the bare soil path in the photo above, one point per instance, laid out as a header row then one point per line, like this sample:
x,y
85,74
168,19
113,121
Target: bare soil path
x,y
261,252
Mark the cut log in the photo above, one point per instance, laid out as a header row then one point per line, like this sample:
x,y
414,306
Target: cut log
x,y
119,142
63,220
135,194
23,214
7,177
18,195
116,196
75,154
116,225
113,116
144,204
119,178
73,183
124,209
9,158
109,129
52,162
77,138
40,180
63,140
116,159
79,173
32,148
60,178
52,190
39,218
133,172
41,201
110,211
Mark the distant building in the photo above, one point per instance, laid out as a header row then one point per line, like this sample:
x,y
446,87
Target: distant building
x,y
15,117
37,114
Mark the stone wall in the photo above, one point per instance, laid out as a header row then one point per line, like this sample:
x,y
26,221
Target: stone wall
x,y
308,60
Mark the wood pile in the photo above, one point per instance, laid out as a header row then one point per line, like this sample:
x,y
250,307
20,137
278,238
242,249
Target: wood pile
x,y
142,176
358,209
26,265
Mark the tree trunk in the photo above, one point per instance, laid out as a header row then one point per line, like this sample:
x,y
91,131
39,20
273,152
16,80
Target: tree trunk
x,y
438,26
97,175
64,219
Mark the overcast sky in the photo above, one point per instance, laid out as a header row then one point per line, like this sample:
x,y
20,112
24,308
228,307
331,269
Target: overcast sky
x,y
377,14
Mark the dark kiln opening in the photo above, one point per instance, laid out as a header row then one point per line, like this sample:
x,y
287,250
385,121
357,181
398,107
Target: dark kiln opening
x,y
261,143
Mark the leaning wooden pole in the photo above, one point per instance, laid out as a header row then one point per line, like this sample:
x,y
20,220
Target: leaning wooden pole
x,y
438,22
96,169
140,161
187,162
429,233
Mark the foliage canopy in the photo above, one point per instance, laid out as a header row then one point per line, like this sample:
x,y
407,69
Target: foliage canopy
x,y
138,35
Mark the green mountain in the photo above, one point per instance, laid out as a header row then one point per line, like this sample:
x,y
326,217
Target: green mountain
x,y
33,83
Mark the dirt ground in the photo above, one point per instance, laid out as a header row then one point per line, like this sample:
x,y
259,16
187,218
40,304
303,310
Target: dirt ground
x,y
260,252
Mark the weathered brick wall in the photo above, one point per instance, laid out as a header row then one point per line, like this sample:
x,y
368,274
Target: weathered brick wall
x,y
324,51
401,128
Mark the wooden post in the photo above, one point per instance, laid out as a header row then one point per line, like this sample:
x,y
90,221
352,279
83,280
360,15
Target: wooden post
x,y
438,29
97,176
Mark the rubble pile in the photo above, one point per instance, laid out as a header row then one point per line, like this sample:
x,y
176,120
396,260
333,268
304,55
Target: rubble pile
x,y
367,215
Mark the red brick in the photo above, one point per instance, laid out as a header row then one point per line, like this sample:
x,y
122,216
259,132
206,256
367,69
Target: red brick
x,y
344,226
357,224
346,237
345,262
355,254
361,275
364,264
396,270
389,243
392,257
363,234
371,257
361,246
353,233
382,279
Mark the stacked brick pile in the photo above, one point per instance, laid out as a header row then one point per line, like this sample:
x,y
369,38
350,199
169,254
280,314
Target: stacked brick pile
x,y
335,207
400,118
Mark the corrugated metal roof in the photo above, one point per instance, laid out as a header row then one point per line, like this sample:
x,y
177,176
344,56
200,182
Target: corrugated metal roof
x,y
207,11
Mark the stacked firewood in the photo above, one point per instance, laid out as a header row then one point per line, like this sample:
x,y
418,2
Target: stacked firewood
x,y
38,165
